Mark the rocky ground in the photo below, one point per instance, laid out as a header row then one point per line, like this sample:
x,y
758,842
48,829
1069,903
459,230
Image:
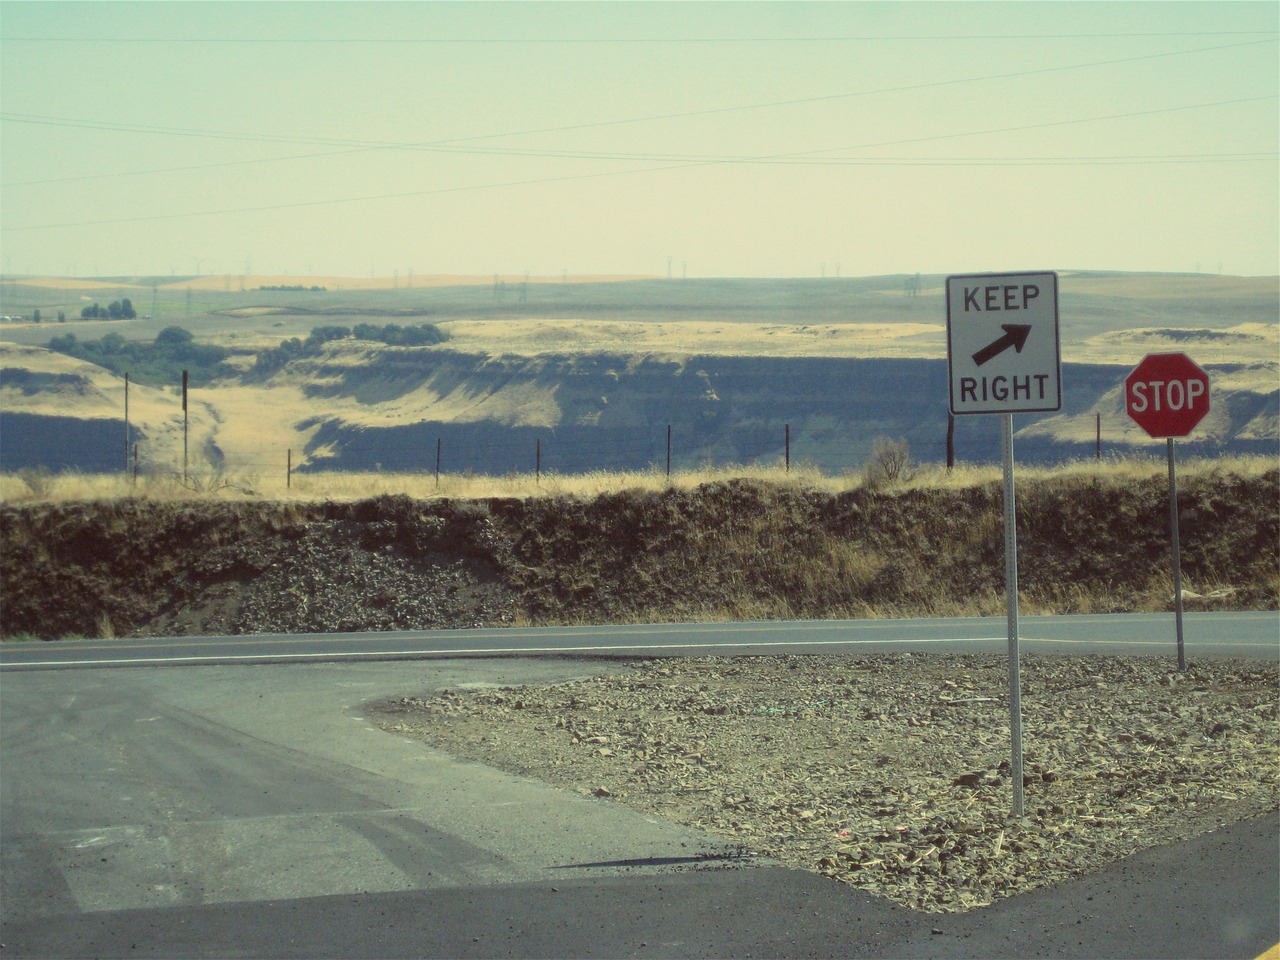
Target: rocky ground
x,y
893,773
339,575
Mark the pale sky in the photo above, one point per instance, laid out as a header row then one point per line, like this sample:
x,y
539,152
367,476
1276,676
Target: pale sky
x,y
724,139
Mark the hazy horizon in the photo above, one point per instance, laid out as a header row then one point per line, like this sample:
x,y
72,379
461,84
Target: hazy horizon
x,y
699,140
403,281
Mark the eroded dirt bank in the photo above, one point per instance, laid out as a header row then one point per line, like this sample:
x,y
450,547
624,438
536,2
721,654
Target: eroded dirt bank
x,y
737,550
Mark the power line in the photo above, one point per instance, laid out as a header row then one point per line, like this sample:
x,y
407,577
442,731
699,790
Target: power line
x,y
184,169
803,160
372,145
584,41
1054,123
591,176
1115,159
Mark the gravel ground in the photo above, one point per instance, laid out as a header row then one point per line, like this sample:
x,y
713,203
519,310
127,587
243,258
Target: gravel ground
x,y
336,575
892,773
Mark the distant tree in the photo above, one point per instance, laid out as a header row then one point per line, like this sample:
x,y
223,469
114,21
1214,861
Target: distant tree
x,y
35,317
271,360
118,310
64,344
171,337
157,362
62,316
422,335
397,336
322,335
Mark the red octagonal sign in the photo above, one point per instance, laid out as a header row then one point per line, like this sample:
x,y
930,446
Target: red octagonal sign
x,y
1167,394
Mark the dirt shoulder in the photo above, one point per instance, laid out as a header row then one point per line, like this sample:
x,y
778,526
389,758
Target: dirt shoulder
x,y
892,773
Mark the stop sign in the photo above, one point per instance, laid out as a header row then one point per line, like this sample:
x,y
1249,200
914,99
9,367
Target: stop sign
x,y
1167,394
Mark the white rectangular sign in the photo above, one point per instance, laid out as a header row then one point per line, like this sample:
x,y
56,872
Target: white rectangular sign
x,y
1002,343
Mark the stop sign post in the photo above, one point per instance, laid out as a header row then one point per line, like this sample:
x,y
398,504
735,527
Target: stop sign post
x,y
1167,394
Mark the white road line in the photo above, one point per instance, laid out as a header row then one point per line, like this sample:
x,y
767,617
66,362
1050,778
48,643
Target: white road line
x,y
639,629
585,648
473,651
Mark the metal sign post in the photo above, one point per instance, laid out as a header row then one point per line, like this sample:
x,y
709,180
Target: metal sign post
x,y
1167,394
1177,556
1011,607
1003,356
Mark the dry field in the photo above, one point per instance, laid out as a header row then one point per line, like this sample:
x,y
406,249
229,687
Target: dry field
x,y
693,338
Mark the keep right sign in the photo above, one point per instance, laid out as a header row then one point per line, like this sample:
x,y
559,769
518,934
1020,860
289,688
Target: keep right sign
x,y
1167,394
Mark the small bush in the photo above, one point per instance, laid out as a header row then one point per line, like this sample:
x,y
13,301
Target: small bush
x,y
890,463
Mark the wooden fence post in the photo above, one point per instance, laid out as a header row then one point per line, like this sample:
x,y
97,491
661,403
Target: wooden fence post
x,y
184,426
126,423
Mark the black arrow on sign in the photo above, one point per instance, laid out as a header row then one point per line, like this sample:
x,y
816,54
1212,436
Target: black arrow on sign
x,y
1015,335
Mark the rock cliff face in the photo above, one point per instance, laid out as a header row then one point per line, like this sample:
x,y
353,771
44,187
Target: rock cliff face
x,y
598,411
364,407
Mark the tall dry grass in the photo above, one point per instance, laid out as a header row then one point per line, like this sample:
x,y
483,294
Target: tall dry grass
x,y
41,486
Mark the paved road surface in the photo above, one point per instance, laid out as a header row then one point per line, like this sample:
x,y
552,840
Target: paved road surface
x,y
250,810
1252,635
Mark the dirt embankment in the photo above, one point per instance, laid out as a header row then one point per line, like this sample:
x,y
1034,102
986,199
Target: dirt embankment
x,y
738,549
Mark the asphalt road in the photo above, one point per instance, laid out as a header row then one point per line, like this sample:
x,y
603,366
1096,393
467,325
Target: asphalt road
x,y
1250,635
252,810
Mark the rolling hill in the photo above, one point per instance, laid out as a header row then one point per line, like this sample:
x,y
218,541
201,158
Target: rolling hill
x,y
582,374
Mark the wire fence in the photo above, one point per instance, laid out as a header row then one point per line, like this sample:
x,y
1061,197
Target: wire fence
x,y
433,449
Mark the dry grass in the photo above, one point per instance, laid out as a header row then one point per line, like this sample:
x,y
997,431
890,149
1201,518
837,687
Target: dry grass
x,y
729,338
39,486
